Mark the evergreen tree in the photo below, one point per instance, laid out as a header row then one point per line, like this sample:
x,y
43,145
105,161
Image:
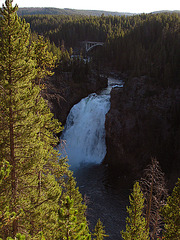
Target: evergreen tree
x,y
73,193
135,223
99,231
45,61
171,214
72,213
33,178
27,132
11,44
68,222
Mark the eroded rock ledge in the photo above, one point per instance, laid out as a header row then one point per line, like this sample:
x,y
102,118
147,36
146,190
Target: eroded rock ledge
x,y
63,92
143,122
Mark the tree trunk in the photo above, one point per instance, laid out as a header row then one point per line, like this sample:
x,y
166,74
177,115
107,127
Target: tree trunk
x,y
13,173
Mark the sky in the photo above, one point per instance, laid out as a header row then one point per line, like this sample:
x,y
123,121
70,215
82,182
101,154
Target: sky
x,y
132,6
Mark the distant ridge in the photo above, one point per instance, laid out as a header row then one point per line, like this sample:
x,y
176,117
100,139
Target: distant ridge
x,y
166,11
68,11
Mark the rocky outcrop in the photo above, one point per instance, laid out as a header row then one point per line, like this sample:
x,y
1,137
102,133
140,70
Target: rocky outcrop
x,y
143,122
63,92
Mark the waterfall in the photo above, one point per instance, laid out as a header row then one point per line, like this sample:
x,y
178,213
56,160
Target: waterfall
x,y
84,131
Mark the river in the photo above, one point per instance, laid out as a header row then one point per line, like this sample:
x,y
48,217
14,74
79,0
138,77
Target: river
x,y
84,133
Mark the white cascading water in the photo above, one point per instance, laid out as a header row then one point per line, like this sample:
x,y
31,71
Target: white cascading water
x,y
84,131
85,145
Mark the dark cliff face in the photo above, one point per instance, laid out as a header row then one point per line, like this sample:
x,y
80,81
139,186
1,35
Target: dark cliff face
x,y
143,122
63,92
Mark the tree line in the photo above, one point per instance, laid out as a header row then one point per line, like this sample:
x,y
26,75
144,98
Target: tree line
x,y
66,11
146,44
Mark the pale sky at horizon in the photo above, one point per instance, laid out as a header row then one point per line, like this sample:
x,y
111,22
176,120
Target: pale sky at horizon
x,y
133,6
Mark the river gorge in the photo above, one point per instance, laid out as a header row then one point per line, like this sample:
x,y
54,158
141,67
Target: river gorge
x,y
85,147
121,125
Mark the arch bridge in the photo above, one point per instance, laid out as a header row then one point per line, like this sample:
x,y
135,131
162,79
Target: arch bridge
x,y
90,45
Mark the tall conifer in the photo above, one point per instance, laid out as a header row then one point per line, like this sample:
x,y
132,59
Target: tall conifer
x,y
27,136
171,214
69,226
72,213
33,179
135,223
99,232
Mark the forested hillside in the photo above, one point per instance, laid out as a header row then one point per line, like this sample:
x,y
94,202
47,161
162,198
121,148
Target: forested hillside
x,y
67,11
146,44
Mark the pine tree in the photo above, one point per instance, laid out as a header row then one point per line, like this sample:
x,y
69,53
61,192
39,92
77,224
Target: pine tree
x,y
72,202
27,132
171,214
99,231
34,179
69,227
11,61
72,191
135,223
45,61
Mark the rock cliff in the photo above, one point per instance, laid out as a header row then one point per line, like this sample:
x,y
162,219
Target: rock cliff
x,y
143,122
63,92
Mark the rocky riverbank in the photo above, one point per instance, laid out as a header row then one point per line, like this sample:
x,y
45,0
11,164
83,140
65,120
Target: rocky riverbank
x,y
63,92
143,122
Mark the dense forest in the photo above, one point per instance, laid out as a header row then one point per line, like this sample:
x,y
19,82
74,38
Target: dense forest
x,y
38,194
146,44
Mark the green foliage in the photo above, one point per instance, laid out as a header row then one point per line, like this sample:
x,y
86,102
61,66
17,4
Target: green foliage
x,y
5,215
171,214
99,232
5,169
23,237
35,182
45,61
72,219
152,43
135,223
29,197
18,237
146,44
68,222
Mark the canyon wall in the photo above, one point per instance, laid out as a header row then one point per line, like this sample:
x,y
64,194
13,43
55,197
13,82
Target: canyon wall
x,y
63,92
143,122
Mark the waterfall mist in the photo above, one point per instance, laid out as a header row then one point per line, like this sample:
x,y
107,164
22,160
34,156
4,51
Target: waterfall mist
x,y
84,132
